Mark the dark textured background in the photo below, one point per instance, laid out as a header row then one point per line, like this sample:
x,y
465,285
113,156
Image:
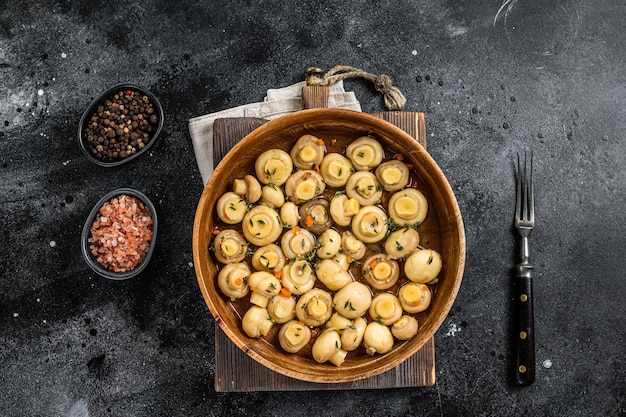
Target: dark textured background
x,y
546,75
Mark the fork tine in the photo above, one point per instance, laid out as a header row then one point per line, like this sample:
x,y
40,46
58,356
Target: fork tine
x,y
525,185
518,191
531,203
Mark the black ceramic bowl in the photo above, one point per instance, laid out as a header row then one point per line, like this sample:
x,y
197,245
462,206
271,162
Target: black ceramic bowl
x,y
86,234
85,119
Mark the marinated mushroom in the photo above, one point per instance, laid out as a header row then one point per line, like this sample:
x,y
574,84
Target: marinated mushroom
x,y
408,207
256,322
401,243
231,208
365,153
261,225
385,308
343,260
414,297
289,214
298,277
273,166
370,224
377,338
229,246
253,189
268,258
335,169
423,266
405,328
327,347
380,272
332,275
282,309
338,322
315,216
307,152
314,307
352,300
342,209
233,280
264,286
352,336
364,187
393,175
352,246
304,185
297,243
240,187
272,196
329,243
293,336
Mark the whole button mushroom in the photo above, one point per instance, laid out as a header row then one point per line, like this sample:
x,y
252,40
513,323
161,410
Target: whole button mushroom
x,y
273,166
423,266
408,207
327,347
293,336
414,297
405,328
231,208
335,169
364,187
365,153
380,272
233,280
256,322
393,175
352,336
315,215
314,307
370,224
264,286
298,277
385,308
261,225
353,300
377,338
229,246
401,243
307,152
304,185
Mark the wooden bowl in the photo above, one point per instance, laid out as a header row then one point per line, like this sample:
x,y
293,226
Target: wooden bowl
x,y
441,231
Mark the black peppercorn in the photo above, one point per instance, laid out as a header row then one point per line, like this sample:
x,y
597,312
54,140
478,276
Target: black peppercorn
x,y
121,125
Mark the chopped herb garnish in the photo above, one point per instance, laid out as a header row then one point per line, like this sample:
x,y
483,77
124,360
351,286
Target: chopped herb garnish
x,y
430,260
399,246
340,172
348,306
361,154
261,221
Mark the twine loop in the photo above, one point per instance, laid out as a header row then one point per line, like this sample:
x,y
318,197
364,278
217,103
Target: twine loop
x,y
394,99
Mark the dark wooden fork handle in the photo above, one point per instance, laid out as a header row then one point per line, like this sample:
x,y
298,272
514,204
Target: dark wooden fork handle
x,y
525,327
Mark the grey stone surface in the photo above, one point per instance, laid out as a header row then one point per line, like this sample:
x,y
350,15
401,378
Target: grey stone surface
x,y
546,75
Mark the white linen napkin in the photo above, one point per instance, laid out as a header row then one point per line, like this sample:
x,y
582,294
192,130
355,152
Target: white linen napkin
x,y
278,102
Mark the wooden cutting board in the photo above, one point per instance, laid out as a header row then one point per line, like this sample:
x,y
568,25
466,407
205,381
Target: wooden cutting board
x,y
234,370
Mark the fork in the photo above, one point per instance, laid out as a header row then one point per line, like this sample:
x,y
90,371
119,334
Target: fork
x,y
524,223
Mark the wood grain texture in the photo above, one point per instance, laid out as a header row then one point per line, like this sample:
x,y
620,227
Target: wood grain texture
x,y
315,96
